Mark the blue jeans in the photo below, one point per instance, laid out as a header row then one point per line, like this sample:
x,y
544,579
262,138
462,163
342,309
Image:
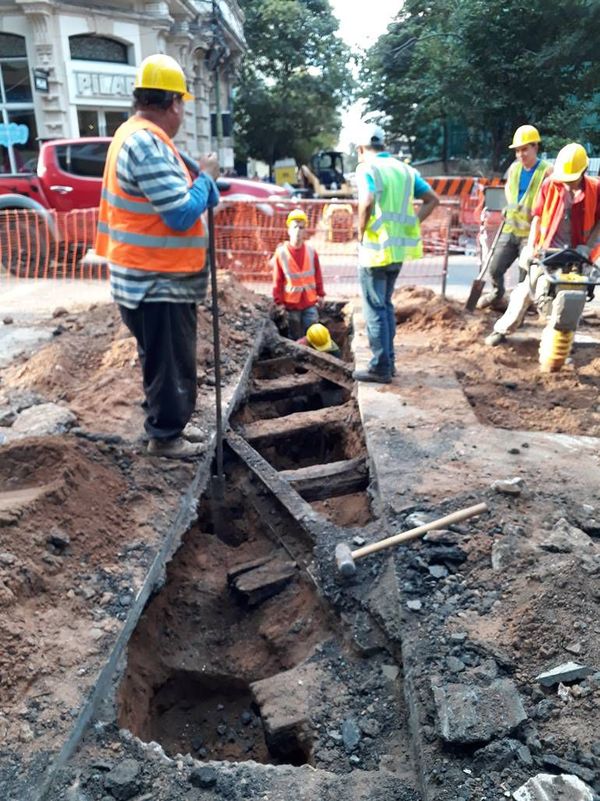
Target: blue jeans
x,y
377,286
300,320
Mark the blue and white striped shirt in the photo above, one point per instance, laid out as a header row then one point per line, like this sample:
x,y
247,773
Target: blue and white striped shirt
x,y
147,167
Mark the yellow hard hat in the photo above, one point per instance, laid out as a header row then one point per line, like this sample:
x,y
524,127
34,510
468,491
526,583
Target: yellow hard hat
x,y
162,72
297,215
319,337
525,135
570,163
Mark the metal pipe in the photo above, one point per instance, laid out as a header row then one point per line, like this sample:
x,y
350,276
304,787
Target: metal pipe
x,y
216,343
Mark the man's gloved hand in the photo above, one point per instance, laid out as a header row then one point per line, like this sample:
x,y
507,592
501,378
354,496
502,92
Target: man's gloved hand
x,y
525,257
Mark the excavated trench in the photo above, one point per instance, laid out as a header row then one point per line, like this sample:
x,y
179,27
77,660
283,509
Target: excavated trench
x,y
239,656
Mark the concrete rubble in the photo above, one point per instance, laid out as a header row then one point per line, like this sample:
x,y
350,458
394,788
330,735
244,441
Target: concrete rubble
x,y
546,787
569,671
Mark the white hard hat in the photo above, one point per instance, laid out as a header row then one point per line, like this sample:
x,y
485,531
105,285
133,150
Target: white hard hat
x,y
369,133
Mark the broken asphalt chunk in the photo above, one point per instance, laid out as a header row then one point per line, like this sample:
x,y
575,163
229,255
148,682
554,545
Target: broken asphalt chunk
x,y
471,714
569,671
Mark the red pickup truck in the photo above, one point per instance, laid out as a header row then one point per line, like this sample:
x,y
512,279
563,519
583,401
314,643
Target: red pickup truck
x,y
68,178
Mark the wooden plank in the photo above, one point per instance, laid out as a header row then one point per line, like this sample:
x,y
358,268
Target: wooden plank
x,y
273,388
295,423
317,482
279,365
256,585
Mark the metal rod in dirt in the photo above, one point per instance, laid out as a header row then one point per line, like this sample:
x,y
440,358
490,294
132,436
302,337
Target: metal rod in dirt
x,y
216,341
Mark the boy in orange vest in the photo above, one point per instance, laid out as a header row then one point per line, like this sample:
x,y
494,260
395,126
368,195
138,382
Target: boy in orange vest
x,y
297,278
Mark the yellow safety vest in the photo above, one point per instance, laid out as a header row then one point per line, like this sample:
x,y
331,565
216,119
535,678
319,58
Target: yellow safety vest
x,y
518,212
393,233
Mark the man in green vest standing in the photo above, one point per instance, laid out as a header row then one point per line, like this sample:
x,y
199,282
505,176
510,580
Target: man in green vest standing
x,y
388,233
525,176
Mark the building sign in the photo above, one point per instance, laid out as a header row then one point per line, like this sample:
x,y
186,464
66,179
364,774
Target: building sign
x,y
13,134
103,85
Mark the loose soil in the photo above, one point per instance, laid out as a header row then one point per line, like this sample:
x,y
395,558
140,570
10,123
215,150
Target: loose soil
x,y
504,384
81,517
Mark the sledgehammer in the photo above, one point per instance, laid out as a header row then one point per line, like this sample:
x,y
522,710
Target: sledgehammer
x,y
345,558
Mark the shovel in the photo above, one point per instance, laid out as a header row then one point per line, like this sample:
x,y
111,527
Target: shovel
x,y
479,282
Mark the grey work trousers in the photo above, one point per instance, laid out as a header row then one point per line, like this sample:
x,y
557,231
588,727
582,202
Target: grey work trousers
x,y
508,250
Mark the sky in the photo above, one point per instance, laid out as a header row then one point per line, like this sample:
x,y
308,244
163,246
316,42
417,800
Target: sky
x,y
361,28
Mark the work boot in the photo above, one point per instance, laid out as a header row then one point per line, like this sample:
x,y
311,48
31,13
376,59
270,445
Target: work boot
x,y
371,375
193,433
492,301
177,448
495,338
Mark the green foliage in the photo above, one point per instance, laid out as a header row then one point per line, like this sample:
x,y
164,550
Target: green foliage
x,y
294,78
490,65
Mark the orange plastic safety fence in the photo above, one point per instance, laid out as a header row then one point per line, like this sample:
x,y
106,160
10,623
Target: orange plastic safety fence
x,y
248,232
51,245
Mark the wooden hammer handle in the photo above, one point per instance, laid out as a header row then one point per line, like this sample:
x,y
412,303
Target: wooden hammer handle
x,y
414,533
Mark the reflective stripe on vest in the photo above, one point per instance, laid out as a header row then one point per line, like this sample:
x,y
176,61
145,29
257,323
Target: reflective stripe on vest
x,y
393,233
131,233
554,208
518,212
298,278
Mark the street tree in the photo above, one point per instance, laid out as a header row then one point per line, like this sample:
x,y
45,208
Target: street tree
x,y
487,66
294,79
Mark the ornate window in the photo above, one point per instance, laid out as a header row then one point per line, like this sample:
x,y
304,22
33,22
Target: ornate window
x,y
86,47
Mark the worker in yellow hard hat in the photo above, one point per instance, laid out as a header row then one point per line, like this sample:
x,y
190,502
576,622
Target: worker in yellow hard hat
x,y
297,277
525,176
566,213
150,231
319,338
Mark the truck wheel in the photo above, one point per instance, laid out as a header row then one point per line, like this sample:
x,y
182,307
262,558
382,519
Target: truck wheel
x,y
23,245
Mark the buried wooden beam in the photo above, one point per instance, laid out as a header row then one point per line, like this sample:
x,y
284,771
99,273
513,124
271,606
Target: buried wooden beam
x,y
296,423
278,365
280,387
317,482
257,581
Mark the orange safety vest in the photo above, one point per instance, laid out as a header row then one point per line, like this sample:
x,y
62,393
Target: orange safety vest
x,y
299,278
554,209
130,231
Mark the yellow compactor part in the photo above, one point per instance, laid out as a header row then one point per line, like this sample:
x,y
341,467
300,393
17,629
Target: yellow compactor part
x,y
555,347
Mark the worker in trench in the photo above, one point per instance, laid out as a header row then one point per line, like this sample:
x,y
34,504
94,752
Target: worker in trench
x,y
566,213
297,278
389,232
151,233
524,179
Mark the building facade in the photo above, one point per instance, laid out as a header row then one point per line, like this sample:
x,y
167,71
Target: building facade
x,y
67,69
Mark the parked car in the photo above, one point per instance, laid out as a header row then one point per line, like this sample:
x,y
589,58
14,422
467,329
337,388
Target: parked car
x,y
68,178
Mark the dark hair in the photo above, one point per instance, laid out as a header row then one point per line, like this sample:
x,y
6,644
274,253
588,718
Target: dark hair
x,y
378,147
153,99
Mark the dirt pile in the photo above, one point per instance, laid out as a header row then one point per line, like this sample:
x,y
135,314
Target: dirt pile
x,y
81,517
68,557
503,384
92,364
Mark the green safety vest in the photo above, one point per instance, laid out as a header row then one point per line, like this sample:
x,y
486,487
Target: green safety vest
x,y
393,233
518,213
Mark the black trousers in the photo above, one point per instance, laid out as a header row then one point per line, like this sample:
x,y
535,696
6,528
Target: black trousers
x,y
166,339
